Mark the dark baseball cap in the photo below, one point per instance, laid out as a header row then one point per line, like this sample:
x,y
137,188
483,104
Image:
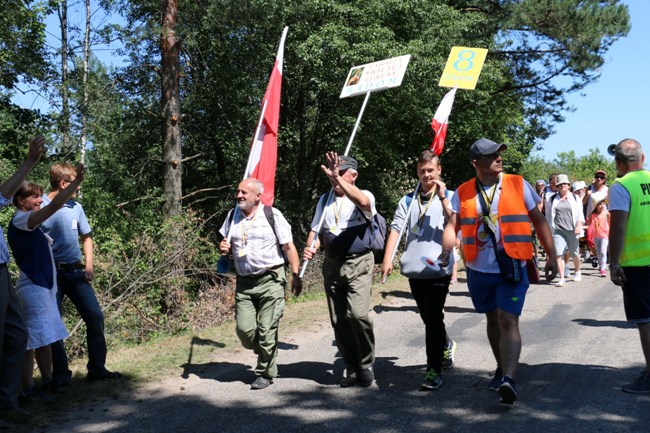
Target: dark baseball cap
x,y
346,162
611,149
483,146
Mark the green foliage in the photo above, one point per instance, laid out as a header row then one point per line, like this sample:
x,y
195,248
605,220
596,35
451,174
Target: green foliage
x,y
132,276
227,51
22,42
581,168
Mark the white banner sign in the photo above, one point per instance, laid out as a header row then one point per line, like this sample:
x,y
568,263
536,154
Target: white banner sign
x,y
375,76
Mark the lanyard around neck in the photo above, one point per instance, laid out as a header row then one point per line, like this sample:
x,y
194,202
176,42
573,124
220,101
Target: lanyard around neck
x,y
492,192
246,227
337,211
424,212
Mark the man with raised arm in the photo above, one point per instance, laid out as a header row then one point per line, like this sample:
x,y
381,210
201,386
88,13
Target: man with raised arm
x,y
74,276
347,266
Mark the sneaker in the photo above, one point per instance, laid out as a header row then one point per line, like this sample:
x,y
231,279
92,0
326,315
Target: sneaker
x,y
448,356
594,262
349,380
496,380
507,391
603,273
577,277
366,377
432,381
561,282
641,384
261,382
567,271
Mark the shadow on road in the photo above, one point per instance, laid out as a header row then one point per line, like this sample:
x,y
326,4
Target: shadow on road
x,y
605,323
554,397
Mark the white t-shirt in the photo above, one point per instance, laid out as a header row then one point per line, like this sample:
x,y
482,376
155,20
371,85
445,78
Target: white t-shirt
x,y
595,197
342,213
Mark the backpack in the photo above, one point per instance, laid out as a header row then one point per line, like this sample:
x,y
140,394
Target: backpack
x,y
378,238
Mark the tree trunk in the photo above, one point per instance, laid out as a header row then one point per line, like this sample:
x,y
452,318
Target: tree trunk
x,y
84,107
65,97
172,182
173,298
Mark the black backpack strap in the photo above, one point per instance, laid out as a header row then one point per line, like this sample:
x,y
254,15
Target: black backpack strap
x,y
268,213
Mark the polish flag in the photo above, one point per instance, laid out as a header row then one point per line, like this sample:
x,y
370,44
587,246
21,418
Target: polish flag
x,y
439,122
264,148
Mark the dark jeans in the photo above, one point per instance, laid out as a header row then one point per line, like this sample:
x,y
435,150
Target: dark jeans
x,y
13,342
72,283
430,296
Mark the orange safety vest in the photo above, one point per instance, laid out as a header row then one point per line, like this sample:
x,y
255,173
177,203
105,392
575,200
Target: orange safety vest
x,y
514,222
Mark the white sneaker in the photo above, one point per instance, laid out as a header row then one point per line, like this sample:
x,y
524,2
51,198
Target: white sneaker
x,y
561,282
567,271
577,277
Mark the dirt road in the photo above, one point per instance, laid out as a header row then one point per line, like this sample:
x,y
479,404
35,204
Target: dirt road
x,y
578,350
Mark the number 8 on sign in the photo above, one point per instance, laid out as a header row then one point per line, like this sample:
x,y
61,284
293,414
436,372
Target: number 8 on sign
x,y
463,67
467,60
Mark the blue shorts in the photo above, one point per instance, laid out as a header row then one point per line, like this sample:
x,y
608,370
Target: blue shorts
x,y
491,291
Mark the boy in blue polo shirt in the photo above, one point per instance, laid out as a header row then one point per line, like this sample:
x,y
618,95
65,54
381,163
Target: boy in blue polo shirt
x,y
66,227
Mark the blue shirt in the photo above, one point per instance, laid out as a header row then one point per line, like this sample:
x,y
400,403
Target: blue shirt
x,y
65,227
4,251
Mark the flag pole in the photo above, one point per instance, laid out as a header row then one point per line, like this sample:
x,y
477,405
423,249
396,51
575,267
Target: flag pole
x,y
401,230
255,141
331,193
259,126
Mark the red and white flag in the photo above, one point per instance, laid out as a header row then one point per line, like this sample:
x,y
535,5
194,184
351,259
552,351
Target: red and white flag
x,y
264,148
439,122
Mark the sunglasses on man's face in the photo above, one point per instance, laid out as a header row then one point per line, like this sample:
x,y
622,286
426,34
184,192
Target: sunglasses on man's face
x,y
601,177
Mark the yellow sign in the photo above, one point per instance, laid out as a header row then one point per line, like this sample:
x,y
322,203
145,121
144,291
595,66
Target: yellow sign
x,y
463,67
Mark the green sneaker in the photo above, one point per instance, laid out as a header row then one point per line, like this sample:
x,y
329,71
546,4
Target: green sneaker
x,y
432,381
448,356
641,384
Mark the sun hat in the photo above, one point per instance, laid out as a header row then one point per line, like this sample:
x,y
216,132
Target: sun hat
x,y
562,178
579,184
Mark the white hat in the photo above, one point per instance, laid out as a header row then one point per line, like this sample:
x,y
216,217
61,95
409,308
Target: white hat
x,y
579,184
562,178
596,200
